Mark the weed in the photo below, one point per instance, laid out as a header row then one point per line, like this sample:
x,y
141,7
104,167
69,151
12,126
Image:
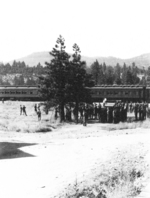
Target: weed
x,y
121,179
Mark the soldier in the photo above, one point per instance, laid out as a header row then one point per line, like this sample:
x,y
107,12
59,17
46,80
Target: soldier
x,y
99,111
85,115
145,110
24,110
56,113
136,111
114,115
130,107
121,113
140,111
125,110
81,112
105,114
117,114
95,111
21,109
108,115
111,114
35,108
91,111
68,113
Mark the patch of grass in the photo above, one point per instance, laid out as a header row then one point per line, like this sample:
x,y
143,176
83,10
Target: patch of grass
x,y
125,125
120,179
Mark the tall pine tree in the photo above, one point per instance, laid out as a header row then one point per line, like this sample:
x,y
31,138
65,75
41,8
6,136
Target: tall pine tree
x,y
54,85
79,79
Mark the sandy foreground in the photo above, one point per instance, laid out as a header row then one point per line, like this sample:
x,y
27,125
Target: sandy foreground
x,y
42,165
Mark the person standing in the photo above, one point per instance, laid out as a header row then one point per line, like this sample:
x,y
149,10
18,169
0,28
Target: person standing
x,y
24,110
136,111
35,108
21,109
56,113
39,115
85,115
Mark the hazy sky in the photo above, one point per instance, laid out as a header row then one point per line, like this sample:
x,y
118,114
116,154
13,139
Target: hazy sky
x,y
119,28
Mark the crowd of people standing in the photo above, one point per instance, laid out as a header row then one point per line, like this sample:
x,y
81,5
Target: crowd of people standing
x,y
107,112
103,112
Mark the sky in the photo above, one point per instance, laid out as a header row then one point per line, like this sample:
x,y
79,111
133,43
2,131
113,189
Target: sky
x,y
119,28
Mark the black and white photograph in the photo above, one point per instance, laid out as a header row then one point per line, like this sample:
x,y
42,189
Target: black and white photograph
x,y
75,99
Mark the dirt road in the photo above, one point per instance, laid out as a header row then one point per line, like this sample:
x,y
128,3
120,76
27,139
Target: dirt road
x,y
41,165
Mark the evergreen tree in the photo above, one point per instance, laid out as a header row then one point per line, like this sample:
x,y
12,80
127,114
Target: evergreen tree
x,y
104,67
129,77
135,77
117,74
109,75
21,80
54,85
79,79
95,71
124,74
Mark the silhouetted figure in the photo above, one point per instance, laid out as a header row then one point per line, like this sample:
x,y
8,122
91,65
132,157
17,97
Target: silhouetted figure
x,y
85,117
39,115
35,108
24,110
21,109
56,113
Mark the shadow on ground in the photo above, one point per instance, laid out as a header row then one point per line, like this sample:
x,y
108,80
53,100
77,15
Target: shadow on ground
x,y
10,150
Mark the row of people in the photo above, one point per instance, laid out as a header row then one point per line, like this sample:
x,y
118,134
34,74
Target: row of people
x,y
116,113
104,113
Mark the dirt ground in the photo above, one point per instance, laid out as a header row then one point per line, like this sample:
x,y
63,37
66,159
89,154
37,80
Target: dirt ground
x,y
44,164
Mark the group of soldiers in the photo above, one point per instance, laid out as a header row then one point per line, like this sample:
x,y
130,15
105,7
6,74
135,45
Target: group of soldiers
x,y
108,112
104,113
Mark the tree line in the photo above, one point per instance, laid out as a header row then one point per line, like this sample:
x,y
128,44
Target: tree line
x,y
20,68
101,74
126,75
20,74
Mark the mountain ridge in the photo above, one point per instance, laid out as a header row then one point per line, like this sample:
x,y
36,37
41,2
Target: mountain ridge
x,y
42,57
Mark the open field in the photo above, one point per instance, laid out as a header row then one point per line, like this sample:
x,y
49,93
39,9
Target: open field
x,y
47,159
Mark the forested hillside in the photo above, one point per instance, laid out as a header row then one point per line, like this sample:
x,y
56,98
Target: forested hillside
x,y
21,74
42,57
126,75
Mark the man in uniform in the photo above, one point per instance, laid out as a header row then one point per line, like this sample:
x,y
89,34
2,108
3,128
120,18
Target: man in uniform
x,y
85,116
136,109
24,110
21,109
39,115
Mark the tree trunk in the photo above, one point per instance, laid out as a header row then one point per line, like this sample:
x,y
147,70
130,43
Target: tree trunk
x,y
76,112
62,115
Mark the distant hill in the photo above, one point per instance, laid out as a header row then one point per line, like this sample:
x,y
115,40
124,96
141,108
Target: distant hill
x,y
42,57
35,58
